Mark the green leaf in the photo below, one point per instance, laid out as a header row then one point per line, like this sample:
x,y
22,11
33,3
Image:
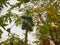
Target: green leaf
x,y
1,20
50,18
44,29
3,26
0,33
23,1
13,40
2,2
18,20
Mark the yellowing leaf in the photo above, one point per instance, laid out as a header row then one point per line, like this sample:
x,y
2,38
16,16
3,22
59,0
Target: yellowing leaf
x,y
52,11
37,10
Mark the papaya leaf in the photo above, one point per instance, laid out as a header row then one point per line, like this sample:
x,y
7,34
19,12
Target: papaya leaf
x,y
3,26
2,2
23,1
0,33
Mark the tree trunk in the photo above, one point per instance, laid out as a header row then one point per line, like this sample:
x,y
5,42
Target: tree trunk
x,y
46,41
26,37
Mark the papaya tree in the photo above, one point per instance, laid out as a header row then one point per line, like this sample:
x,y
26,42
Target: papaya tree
x,y
26,20
48,15
27,25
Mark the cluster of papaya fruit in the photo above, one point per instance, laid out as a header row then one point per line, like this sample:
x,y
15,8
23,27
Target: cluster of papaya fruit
x,y
27,22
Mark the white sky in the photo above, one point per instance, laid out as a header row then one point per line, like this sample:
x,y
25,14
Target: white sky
x,y
16,30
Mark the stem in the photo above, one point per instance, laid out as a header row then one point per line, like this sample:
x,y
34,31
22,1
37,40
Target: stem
x,y
26,37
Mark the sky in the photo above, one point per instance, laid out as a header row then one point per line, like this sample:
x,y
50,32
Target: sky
x,y
14,29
